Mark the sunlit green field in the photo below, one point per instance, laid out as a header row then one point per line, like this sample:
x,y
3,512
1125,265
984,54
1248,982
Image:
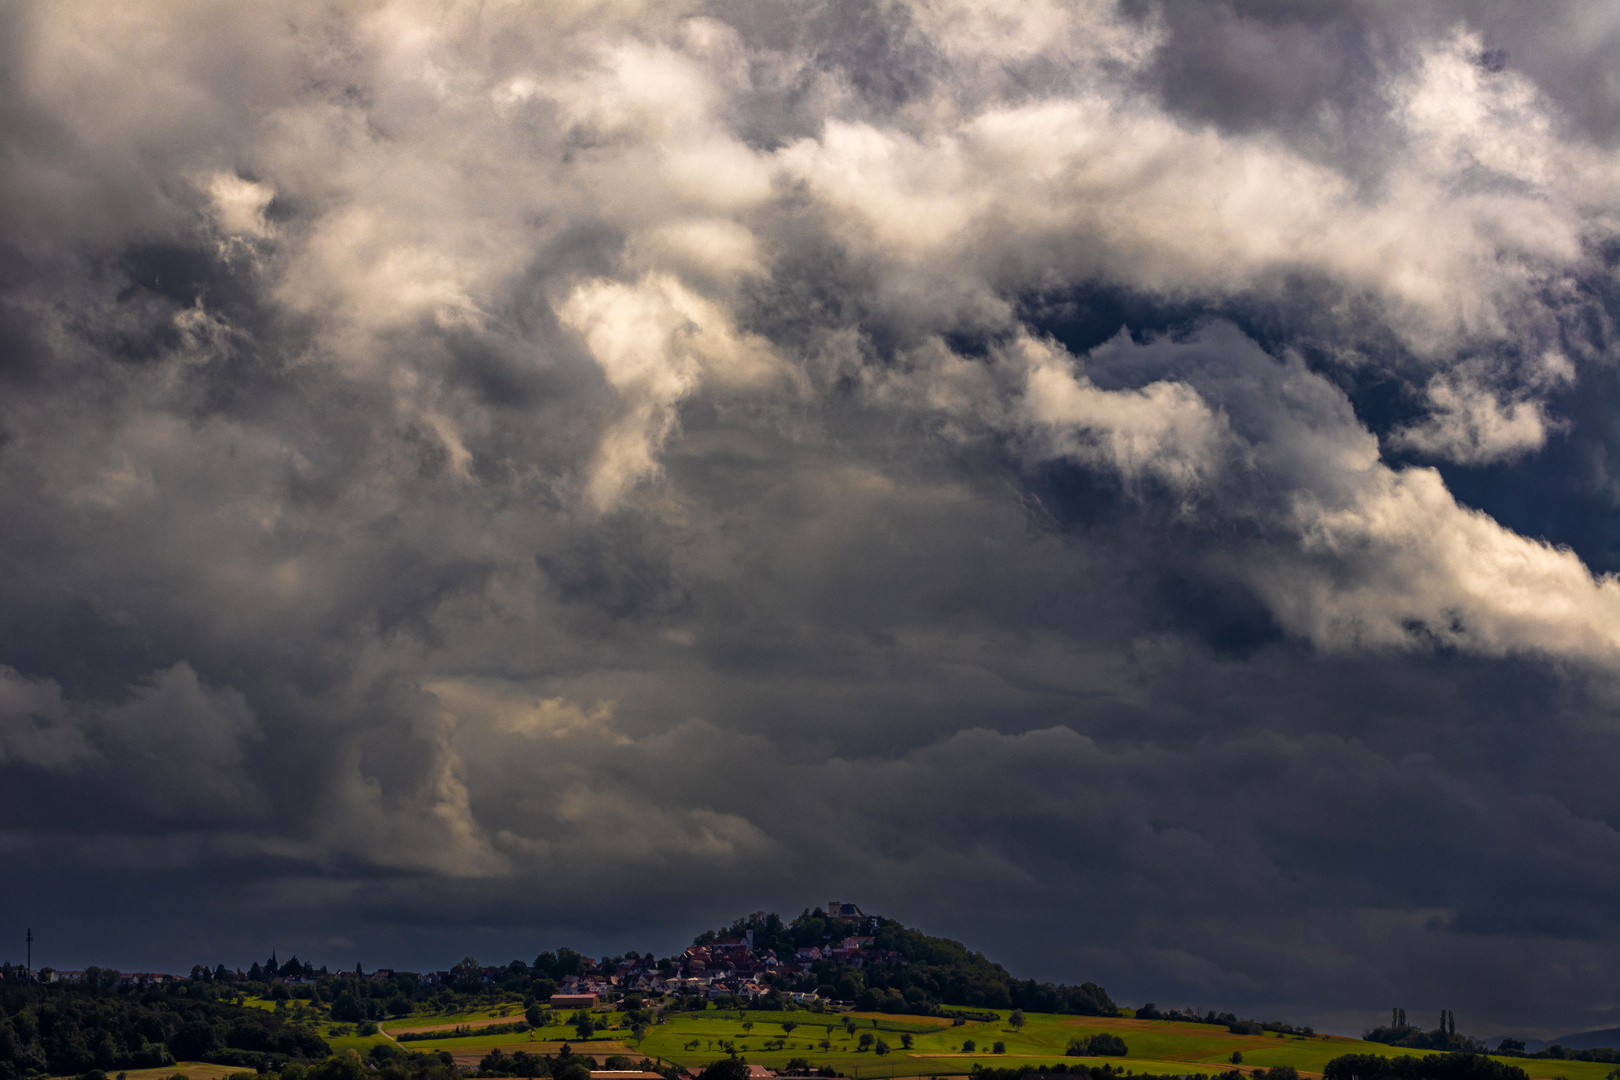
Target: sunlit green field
x,y
693,1040
193,1070
501,1014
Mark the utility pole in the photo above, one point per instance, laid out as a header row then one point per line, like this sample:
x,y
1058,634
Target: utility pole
x,y
30,968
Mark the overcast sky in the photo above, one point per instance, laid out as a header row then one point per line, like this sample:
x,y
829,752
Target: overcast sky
x,y
1134,486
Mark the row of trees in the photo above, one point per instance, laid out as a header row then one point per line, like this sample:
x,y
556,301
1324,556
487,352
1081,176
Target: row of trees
x,y
1230,1021
1453,1066
1441,1038
1515,1048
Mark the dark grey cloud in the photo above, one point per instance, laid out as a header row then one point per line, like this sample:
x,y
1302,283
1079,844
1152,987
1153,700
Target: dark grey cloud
x,y
1126,486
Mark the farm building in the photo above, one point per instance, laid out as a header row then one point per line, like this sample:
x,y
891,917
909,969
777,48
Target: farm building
x,y
572,1001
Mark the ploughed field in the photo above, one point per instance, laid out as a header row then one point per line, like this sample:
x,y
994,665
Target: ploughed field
x,y
693,1040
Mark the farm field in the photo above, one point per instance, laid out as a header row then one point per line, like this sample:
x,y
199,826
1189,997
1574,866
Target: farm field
x,y
693,1040
500,1014
196,1070
467,1052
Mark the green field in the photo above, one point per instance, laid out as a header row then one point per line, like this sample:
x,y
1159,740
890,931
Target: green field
x,y
499,1014
937,1046
194,1070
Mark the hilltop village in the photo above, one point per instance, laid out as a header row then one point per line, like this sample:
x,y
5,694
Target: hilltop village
x,y
728,966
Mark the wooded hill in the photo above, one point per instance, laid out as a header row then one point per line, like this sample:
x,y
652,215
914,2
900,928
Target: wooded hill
x,y
924,973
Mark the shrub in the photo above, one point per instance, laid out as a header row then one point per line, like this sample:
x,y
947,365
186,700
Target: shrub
x,y
1103,1044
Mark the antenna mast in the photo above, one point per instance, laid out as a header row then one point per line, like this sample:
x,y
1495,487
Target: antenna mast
x,y
30,952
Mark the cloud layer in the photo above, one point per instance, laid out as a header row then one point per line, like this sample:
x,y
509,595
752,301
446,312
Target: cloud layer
x,y
1129,485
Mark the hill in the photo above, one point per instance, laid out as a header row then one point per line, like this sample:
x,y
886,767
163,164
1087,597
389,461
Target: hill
x,y
901,970
1584,1040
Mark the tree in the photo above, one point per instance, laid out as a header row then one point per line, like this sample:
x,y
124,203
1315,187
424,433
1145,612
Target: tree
x,y
999,1047
968,1046
1237,1057
905,1041
724,1069
788,1026
347,1009
866,1039
535,1014
748,1025
584,1025
1016,1019
881,1048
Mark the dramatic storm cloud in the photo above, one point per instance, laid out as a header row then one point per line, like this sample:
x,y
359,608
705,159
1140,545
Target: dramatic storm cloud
x,y
1129,485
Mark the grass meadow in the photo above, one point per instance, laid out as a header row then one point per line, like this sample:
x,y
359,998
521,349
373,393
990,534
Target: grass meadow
x,y
693,1040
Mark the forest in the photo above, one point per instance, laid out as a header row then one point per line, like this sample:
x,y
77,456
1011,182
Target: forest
x,y
95,1024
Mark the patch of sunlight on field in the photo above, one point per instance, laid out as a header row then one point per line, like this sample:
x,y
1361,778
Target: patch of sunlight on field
x,y
195,1070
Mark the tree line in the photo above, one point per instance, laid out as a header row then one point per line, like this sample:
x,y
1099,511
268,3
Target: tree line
x,y
73,1028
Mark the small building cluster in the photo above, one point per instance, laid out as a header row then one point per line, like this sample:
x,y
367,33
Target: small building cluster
x,y
726,966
